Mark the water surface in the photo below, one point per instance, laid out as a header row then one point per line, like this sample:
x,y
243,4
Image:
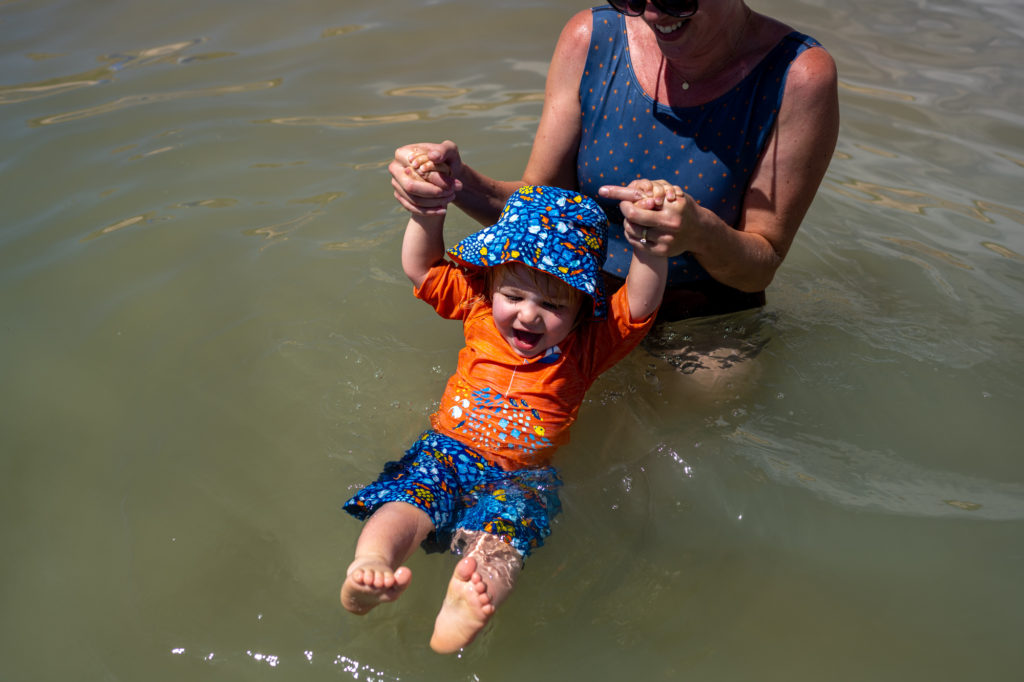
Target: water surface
x,y
208,343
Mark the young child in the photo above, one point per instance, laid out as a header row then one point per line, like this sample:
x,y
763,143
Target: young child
x,y
539,330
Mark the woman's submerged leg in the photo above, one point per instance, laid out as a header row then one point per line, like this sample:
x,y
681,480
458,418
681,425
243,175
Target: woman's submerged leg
x,y
389,537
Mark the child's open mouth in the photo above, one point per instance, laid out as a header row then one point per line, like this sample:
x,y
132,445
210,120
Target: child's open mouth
x,y
525,340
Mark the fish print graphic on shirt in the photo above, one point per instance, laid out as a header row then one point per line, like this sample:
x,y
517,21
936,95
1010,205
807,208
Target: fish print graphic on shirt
x,y
488,420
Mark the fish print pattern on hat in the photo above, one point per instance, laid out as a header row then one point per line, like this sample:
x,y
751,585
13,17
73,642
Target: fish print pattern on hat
x,y
553,230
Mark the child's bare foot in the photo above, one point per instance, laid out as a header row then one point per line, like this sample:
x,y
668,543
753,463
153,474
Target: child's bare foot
x,y
467,608
371,581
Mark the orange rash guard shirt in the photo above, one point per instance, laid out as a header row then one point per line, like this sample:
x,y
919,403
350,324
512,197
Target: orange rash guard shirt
x,y
517,411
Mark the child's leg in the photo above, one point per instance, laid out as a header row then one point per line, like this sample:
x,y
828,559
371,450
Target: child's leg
x,y
389,537
482,580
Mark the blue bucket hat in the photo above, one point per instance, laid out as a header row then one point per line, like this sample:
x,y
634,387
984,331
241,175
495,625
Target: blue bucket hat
x,y
553,230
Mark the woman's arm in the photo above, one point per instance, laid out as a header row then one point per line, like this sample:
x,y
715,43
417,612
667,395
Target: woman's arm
x,y
781,189
556,145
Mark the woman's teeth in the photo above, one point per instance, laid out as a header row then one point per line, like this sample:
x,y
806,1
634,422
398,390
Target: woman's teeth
x,y
668,29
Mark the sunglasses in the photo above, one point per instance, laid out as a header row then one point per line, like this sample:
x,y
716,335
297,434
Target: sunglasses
x,y
675,8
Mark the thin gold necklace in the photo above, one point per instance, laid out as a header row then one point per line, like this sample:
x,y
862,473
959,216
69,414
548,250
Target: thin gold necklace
x,y
725,62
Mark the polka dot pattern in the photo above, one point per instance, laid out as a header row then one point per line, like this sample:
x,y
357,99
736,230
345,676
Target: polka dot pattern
x,y
710,150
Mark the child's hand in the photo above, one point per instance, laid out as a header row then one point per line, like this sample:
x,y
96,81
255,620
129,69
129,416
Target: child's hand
x,y
655,193
437,173
422,166
425,177
655,214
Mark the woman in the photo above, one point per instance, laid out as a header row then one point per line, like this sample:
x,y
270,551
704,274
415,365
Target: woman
x,y
735,111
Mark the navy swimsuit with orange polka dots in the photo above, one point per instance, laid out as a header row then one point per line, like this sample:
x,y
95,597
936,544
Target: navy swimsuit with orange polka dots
x,y
709,150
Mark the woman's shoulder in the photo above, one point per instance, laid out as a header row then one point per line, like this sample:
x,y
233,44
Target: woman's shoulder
x,y
769,35
812,71
809,68
577,31
573,45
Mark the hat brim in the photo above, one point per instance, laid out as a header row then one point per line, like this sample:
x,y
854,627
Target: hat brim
x,y
483,249
556,231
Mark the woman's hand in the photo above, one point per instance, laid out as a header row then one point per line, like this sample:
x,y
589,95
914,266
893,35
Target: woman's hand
x,y
657,215
417,188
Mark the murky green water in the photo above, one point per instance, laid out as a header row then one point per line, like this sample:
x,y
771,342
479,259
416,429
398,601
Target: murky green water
x,y
207,342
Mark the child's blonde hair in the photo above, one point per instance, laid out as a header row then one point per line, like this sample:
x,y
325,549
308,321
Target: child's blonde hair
x,y
549,285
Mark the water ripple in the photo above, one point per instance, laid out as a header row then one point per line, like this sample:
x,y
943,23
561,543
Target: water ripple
x,y
140,219
341,31
853,477
347,121
113,63
922,202
451,102
153,98
279,232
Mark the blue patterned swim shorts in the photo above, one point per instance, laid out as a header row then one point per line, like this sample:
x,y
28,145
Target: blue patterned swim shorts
x,y
459,489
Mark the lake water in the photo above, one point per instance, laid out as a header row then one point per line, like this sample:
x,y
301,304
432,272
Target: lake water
x,y
208,343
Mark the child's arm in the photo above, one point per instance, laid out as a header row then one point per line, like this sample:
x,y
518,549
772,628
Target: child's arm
x,y
423,245
648,271
645,283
